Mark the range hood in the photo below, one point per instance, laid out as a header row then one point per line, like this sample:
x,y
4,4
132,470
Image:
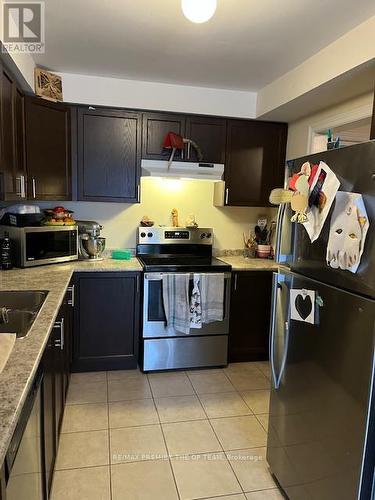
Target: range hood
x,y
183,169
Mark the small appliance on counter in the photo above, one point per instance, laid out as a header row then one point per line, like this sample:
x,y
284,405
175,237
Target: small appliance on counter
x,y
21,216
91,244
35,246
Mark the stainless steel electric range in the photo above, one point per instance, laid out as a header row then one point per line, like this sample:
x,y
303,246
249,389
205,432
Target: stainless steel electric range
x,y
163,250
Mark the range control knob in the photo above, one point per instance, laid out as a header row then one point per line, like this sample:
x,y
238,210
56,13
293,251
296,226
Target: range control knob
x,y
143,235
209,235
150,235
203,236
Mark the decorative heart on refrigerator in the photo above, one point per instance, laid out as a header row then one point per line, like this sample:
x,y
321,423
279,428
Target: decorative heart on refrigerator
x,y
303,305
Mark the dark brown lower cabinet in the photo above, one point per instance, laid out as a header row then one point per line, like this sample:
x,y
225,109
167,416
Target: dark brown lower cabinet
x,y
2,483
250,315
106,321
55,384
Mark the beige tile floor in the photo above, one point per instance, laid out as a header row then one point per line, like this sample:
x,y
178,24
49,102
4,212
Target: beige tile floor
x,y
166,436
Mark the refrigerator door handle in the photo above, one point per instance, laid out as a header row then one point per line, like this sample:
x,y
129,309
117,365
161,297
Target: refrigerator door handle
x,y
277,289
275,286
280,221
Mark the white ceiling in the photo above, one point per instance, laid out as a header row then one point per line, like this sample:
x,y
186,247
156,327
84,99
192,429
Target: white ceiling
x,y
246,45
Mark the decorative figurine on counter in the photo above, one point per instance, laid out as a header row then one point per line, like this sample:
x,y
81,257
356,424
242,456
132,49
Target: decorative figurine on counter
x,y
146,221
191,222
175,218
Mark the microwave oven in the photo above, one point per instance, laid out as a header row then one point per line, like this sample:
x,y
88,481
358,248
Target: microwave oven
x,y
35,246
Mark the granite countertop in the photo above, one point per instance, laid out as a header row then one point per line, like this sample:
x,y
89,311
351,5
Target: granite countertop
x,y
20,369
239,263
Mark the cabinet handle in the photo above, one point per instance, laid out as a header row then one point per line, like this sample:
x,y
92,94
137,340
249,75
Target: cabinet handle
x,y
226,196
61,341
19,193
23,186
139,192
235,281
34,186
137,284
71,289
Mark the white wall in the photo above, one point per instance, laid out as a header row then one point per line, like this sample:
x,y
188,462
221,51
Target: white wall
x,y
158,197
104,91
300,130
24,62
355,48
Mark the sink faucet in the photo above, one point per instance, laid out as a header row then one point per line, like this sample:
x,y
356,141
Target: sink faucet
x,y
4,318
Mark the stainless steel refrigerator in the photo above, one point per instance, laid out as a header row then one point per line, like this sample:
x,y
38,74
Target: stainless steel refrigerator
x,y
321,440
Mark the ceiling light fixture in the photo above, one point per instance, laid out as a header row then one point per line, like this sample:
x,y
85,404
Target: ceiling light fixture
x,y
198,11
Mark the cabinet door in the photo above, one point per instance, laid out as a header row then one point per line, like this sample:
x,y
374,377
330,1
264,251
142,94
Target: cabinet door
x,y
58,334
7,127
106,321
250,316
109,149
49,421
210,135
155,127
255,161
48,156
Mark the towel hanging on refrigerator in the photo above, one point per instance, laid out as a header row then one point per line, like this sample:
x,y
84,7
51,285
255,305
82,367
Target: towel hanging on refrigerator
x,y
177,301
195,304
212,297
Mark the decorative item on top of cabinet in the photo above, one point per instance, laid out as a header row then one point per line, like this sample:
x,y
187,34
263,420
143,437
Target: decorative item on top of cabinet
x,y
250,316
48,154
255,163
106,321
12,165
48,85
109,155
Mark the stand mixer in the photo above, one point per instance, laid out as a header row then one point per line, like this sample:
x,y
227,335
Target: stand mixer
x,y
91,245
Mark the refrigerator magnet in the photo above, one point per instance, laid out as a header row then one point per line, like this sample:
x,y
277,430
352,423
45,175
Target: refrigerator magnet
x,y
322,194
302,305
348,231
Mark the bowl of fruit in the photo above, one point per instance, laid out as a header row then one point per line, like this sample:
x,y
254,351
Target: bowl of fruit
x,y
58,216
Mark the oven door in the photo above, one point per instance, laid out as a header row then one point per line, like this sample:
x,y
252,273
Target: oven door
x,y
154,319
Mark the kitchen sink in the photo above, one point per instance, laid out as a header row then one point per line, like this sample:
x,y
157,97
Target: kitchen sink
x,y
19,322
18,310
28,300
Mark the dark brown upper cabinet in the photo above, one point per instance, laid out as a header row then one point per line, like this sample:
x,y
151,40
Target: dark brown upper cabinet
x,y
12,167
210,135
255,161
154,130
109,155
48,154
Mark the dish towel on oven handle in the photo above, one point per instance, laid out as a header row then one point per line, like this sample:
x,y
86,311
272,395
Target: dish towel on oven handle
x,y
177,301
212,297
195,303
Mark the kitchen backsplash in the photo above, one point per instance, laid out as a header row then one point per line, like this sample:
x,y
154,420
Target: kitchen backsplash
x,y
158,197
